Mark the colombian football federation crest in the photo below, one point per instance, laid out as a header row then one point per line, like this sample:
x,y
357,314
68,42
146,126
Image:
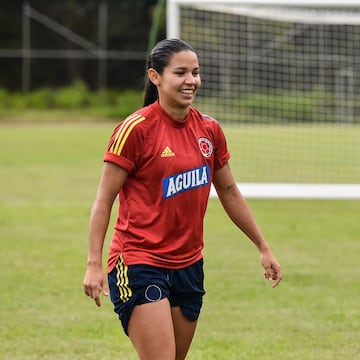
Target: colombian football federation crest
x,y
206,146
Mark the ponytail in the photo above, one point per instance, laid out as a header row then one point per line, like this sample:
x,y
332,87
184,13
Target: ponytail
x,y
150,94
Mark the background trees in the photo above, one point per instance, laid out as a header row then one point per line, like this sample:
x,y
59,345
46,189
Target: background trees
x,y
56,60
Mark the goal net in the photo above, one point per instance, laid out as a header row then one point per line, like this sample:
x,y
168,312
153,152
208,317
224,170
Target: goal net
x,y
283,79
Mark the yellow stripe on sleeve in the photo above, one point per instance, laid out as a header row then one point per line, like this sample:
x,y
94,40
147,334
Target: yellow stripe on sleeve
x,y
126,135
123,133
123,125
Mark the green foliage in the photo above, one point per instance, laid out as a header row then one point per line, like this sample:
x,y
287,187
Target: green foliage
x,y
40,99
77,97
288,106
3,97
314,106
292,106
73,97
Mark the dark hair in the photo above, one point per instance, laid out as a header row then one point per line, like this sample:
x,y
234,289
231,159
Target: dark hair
x,y
158,59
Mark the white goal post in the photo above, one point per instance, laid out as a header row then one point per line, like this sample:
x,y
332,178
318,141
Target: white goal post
x,y
257,6
283,79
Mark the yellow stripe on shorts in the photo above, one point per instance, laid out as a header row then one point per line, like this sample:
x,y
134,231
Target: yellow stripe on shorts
x,y
122,280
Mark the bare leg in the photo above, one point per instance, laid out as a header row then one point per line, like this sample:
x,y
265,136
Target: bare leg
x,y
184,331
151,331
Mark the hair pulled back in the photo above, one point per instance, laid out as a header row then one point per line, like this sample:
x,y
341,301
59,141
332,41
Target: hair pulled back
x,y
159,59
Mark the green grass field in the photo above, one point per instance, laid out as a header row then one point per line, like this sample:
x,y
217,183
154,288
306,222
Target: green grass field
x,y
49,174
295,153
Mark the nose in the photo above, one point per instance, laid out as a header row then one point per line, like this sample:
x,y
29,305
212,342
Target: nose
x,y
190,79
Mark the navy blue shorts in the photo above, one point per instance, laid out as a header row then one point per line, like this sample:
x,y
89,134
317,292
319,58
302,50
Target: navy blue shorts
x,y
140,284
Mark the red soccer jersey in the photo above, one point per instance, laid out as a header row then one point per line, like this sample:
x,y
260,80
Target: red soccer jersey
x,y
164,199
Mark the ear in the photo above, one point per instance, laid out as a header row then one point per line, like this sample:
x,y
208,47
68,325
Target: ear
x,y
153,76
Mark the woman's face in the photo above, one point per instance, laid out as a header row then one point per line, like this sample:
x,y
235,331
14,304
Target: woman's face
x,y
178,84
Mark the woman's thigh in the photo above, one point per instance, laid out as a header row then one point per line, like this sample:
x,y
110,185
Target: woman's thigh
x,y
151,331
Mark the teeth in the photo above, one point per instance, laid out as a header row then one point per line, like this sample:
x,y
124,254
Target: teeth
x,y
187,91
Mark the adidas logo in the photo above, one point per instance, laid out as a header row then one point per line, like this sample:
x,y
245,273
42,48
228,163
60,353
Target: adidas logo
x,y
167,152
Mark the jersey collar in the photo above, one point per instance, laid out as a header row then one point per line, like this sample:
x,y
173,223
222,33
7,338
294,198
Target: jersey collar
x,y
170,120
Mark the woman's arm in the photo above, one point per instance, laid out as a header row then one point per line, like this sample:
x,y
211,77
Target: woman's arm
x,y
239,212
112,179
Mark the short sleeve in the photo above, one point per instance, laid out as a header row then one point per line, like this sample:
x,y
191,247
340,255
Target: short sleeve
x,y
222,154
124,148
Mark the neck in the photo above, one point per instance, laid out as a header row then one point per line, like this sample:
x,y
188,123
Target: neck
x,y
177,114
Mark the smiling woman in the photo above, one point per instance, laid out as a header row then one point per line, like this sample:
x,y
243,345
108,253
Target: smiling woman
x,y
173,77
161,161
178,84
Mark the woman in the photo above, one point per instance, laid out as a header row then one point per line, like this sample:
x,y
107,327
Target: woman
x,y
161,162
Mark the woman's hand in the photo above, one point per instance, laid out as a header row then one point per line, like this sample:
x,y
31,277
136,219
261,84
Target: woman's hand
x,y
271,267
95,283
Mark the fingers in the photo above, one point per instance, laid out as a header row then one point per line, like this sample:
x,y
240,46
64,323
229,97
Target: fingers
x,y
94,292
276,282
97,300
105,291
95,284
273,273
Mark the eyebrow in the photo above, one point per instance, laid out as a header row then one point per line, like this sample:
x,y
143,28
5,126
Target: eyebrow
x,y
185,68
